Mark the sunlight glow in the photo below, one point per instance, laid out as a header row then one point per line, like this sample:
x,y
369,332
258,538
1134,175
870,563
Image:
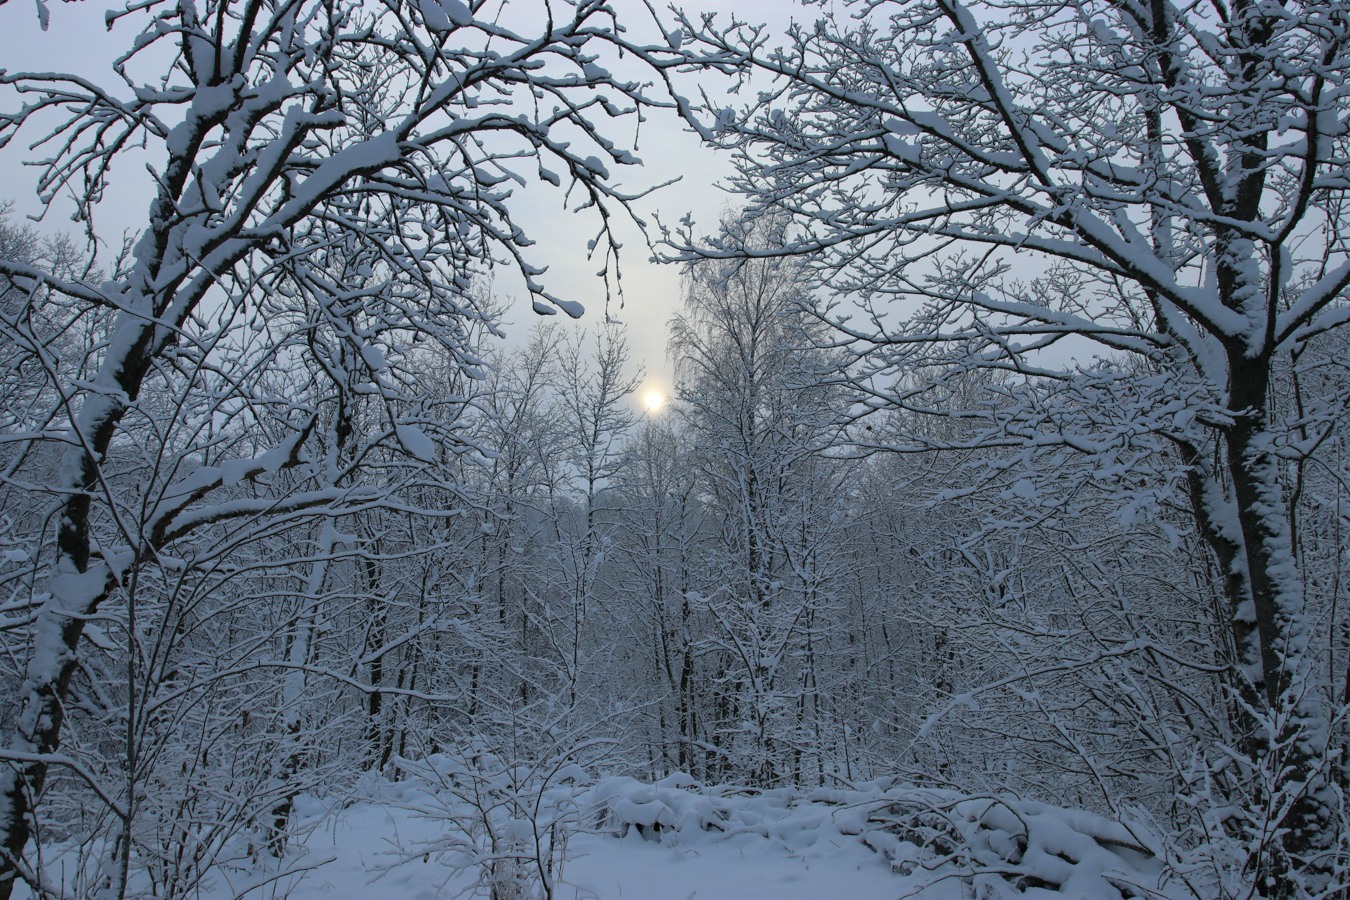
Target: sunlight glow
x,y
653,400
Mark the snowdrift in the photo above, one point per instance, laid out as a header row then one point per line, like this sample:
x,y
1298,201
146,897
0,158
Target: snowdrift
x,y
930,837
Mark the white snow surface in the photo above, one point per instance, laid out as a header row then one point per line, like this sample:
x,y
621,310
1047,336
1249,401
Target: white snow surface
x,y
676,839
599,865
416,442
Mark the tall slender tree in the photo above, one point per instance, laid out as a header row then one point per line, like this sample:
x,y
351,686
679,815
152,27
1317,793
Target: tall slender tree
x,y
750,399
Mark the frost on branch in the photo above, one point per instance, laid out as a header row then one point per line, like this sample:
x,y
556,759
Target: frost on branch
x,y
1136,202
331,183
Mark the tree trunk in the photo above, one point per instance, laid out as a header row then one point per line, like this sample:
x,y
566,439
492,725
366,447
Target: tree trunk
x,y
76,590
1292,699
298,656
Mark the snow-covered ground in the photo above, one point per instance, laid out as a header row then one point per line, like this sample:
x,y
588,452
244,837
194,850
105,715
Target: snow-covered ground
x,y
423,838
601,866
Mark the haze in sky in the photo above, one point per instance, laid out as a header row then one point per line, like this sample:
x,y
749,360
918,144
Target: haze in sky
x,y
76,40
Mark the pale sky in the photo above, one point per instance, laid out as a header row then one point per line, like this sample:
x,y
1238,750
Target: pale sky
x,y
77,41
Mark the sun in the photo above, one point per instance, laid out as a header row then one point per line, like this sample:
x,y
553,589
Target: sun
x,y
653,400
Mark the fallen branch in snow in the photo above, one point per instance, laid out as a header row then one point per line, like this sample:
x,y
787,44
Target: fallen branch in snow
x,y
930,833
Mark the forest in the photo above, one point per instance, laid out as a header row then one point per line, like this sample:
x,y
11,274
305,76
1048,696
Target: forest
x,y
996,528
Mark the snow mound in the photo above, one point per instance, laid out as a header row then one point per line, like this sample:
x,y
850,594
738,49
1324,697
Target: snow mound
x,y
998,846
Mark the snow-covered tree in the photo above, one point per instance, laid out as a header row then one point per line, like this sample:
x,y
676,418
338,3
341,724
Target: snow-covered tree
x,y
1009,185
341,167
758,419
657,555
596,395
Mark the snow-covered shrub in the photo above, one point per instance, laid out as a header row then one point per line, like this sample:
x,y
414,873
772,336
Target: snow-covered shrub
x,y
506,820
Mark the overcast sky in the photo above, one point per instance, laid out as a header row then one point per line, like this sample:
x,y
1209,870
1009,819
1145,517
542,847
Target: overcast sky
x,y
77,41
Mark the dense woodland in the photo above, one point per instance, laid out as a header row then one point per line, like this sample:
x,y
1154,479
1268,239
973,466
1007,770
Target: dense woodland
x,y
1006,455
